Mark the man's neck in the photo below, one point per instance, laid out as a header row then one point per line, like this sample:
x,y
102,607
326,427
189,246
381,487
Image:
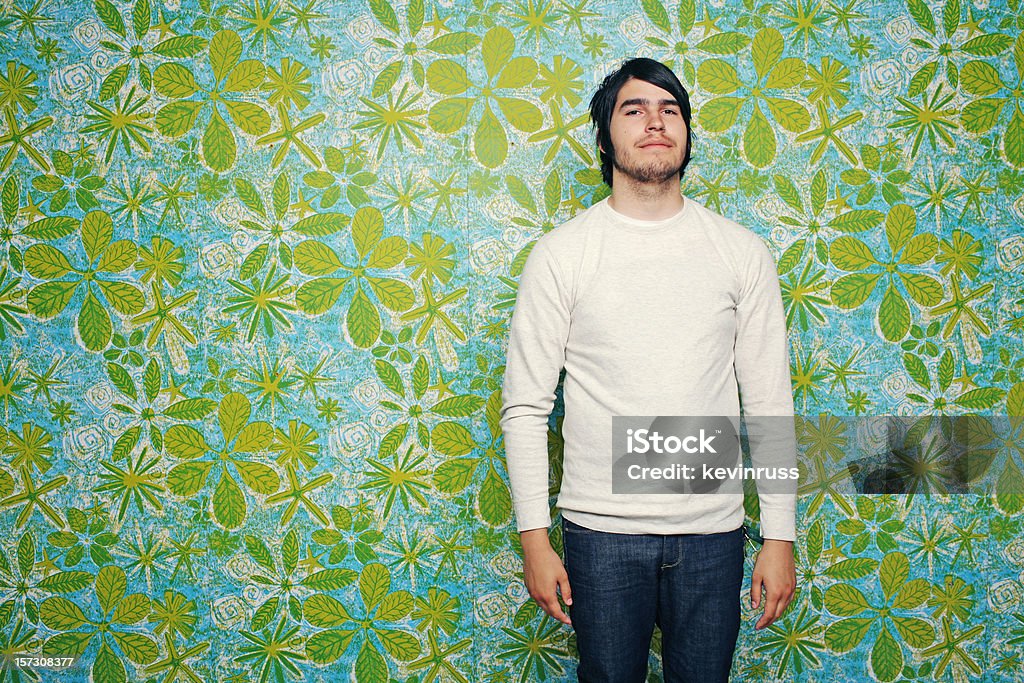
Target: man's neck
x,y
646,201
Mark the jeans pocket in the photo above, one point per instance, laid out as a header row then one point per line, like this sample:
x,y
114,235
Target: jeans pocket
x,y
573,528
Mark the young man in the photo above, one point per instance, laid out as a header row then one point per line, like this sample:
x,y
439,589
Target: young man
x,y
654,306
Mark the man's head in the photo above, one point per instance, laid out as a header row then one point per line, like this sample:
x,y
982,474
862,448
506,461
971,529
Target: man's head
x,y
638,108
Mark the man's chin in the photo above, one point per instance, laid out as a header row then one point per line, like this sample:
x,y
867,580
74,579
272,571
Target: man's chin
x,y
650,176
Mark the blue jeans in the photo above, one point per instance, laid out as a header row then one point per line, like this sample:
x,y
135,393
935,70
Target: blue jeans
x,y
624,584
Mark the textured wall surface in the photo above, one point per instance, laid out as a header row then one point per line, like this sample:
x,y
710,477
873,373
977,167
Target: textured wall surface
x,y
257,259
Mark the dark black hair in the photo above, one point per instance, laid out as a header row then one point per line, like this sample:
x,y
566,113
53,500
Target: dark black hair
x,y
602,104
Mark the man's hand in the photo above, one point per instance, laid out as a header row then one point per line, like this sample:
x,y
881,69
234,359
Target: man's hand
x,y
775,571
545,574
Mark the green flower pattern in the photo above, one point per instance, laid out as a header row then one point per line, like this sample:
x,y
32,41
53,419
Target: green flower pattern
x,y
257,263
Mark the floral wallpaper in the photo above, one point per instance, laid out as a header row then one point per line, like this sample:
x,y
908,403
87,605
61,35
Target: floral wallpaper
x,y
257,262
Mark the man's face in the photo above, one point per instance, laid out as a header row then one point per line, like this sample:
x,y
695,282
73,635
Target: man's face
x,y
648,133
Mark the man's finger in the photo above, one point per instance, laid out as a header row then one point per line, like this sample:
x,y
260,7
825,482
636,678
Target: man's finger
x,y
755,591
565,589
553,609
769,611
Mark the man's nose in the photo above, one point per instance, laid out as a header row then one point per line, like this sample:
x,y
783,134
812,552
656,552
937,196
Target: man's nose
x,y
655,122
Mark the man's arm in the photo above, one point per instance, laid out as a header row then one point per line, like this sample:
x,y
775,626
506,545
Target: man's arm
x,y
763,376
536,354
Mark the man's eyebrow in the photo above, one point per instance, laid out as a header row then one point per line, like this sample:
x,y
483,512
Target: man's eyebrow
x,y
643,101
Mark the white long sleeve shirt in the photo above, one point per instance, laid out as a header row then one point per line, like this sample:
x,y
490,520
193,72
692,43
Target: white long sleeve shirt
x,y
671,317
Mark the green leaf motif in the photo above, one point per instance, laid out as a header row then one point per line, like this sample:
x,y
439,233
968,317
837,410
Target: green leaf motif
x,y
177,118
788,73
655,11
111,18
190,409
370,665
111,585
45,262
60,614
329,579
518,73
52,228
989,45
219,145
388,253
893,315
857,220
917,370
922,79
138,647
494,500
247,75
114,81
497,49
325,611
229,508
94,326
316,258
399,644
108,666
252,119
725,43
450,115
65,581
225,51
766,50
851,291
363,320
328,646
759,140
845,600
791,115
384,13
125,298
180,47
851,254
922,15
318,296
448,77
458,406
456,43
50,298
175,81
886,656
255,437
523,115
452,439
720,114
253,262
188,478
454,476
489,140
367,229
321,224
394,294
845,634
718,76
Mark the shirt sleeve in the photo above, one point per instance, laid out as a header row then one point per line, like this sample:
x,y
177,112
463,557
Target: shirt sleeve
x,y
763,376
536,354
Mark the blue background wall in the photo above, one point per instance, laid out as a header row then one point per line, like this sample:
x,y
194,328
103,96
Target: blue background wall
x,y
257,263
